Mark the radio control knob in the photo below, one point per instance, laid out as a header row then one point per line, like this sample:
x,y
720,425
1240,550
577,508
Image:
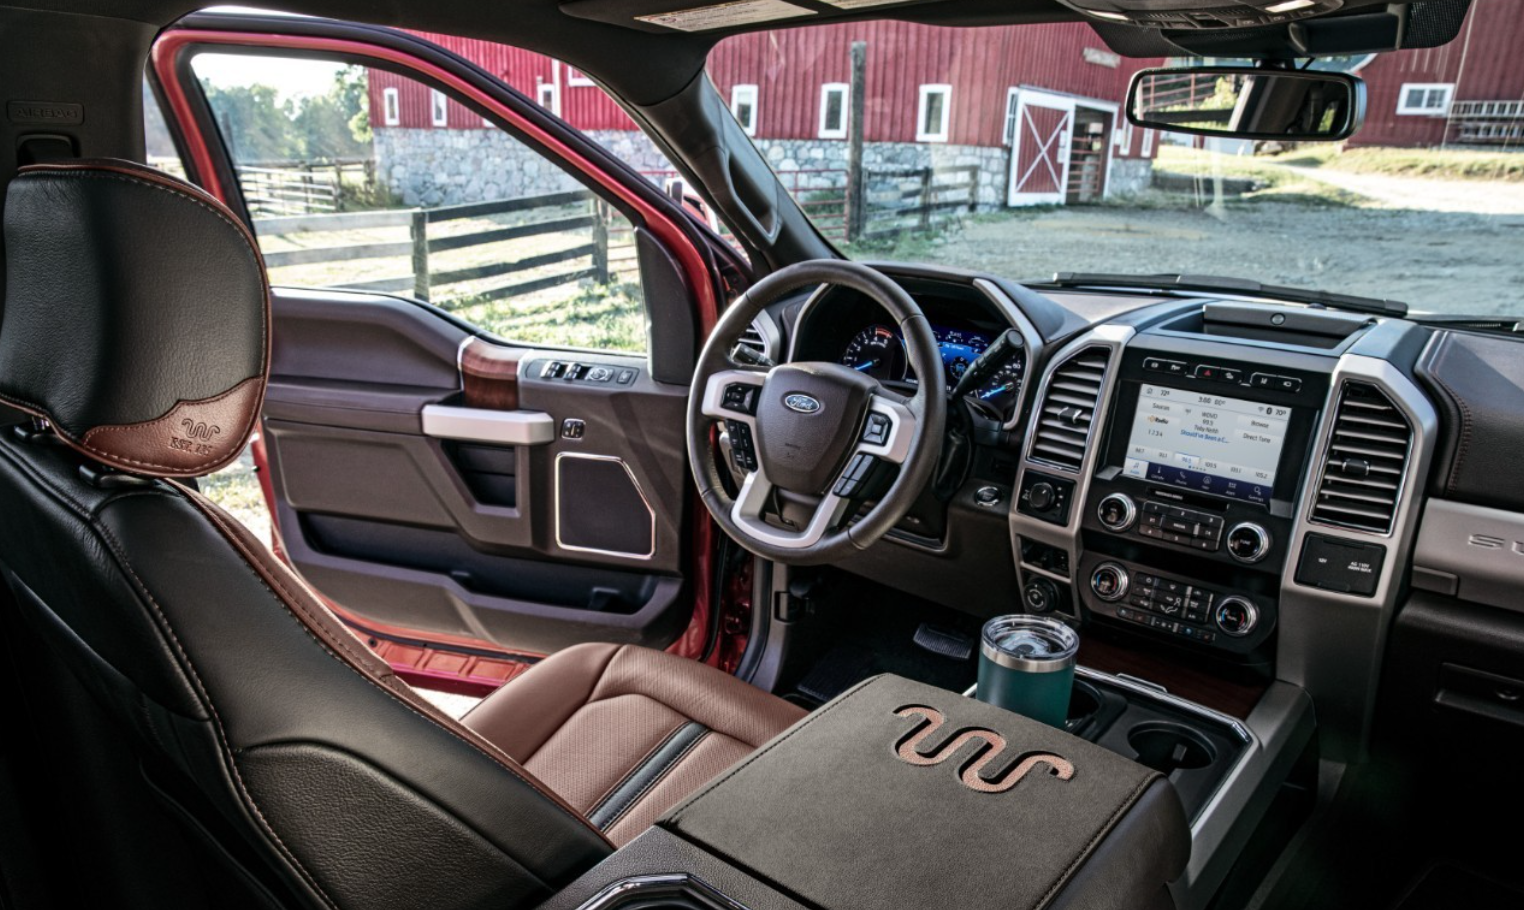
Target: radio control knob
x,y
1117,512
1248,542
1236,616
1109,582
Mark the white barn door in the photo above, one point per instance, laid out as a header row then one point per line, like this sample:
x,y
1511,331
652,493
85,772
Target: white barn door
x,y
1040,143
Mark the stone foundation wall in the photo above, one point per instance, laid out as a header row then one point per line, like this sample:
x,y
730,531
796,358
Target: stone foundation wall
x,y
432,167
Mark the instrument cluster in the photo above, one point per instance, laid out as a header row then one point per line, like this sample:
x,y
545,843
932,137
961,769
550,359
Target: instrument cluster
x,y
879,351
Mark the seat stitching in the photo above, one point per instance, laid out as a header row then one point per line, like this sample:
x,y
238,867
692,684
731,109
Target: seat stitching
x,y
625,778
645,791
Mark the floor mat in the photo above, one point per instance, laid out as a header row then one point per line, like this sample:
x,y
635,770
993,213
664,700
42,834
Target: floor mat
x,y
1446,886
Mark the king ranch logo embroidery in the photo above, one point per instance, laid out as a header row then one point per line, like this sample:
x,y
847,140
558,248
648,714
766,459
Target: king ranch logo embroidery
x,y
195,437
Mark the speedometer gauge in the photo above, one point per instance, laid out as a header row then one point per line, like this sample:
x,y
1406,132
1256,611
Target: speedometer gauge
x,y
879,352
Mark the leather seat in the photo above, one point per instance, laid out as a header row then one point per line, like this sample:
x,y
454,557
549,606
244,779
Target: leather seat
x,y
136,334
623,733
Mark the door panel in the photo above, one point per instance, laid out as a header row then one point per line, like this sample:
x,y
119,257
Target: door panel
x,y
531,546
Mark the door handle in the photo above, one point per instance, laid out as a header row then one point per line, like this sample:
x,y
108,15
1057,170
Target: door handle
x,y
502,428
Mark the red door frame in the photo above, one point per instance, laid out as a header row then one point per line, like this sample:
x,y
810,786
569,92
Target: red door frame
x,y
426,667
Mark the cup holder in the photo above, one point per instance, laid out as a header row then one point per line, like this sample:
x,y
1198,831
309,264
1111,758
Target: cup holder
x,y
1084,703
1168,747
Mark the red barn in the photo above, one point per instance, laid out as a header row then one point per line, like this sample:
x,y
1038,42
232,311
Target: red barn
x,y
1033,112
1468,92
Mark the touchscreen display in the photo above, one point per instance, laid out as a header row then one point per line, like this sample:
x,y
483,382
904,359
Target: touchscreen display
x,y
1206,443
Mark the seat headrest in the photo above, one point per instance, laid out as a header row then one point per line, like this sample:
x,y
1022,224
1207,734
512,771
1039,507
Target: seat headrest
x,y
136,318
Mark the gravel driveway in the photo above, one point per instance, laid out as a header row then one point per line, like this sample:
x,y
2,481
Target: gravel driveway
x,y
1434,260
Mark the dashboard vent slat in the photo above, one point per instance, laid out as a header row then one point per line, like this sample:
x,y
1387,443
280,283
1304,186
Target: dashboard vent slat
x,y
1361,482
752,338
1067,413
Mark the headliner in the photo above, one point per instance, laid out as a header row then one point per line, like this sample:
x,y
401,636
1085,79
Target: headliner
x,y
666,61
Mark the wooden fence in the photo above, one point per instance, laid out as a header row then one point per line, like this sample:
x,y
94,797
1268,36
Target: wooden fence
x,y
588,260
913,199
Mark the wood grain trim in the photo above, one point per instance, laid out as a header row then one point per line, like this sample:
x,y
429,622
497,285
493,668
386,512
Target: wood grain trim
x,y
1231,697
489,375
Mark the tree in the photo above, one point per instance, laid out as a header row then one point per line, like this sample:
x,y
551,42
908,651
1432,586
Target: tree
x,y
259,126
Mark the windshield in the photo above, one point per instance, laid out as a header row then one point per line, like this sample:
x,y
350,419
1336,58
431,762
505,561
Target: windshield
x,y
1004,149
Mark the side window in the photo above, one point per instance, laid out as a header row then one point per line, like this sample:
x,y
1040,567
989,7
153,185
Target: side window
x,y
365,179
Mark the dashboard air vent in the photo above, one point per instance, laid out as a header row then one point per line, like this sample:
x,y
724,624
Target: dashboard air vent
x,y
752,338
1067,414
1366,459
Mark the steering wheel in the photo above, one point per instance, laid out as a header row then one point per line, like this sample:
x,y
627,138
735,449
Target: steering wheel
x,y
813,438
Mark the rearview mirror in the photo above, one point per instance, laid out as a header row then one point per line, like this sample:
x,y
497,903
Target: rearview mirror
x,y
1248,103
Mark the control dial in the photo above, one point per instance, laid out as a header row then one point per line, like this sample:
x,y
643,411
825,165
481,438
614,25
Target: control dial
x,y
1248,542
1109,582
1042,496
1236,616
1117,512
1041,595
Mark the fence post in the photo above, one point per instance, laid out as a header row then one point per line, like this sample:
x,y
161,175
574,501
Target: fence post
x,y
857,196
973,187
926,175
420,233
600,242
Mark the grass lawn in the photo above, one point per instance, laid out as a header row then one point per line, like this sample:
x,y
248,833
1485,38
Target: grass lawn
x,y
1441,164
1276,183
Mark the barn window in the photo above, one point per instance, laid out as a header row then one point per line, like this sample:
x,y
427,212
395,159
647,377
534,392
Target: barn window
x,y
933,114
577,78
1148,144
1430,99
743,104
393,108
439,106
1012,107
549,97
1124,138
833,110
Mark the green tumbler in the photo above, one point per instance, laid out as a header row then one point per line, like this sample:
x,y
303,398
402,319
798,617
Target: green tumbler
x,y
1026,665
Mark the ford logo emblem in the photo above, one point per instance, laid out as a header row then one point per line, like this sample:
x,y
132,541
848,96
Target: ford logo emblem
x,y
801,402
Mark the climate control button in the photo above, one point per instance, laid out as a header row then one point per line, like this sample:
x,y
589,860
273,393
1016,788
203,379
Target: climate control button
x,y
1109,582
1236,616
1117,512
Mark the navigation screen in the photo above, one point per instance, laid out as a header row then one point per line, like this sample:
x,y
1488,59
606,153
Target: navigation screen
x,y
1206,443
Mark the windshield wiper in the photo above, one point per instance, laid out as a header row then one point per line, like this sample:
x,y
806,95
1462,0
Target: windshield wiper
x,y
1222,285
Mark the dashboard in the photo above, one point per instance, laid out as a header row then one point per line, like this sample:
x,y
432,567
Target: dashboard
x,y
1258,489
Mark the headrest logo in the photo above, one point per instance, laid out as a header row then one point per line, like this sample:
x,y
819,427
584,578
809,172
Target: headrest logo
x,y
197,438
907,750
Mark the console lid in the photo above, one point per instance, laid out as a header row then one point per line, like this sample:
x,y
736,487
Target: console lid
x,y
898,794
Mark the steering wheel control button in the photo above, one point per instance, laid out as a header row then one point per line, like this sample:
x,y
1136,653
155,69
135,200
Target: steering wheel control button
x,y
876,429
743,450
855,479
740,397
1340,565
1236,616
987,496
1248,542
1109,582
1117,512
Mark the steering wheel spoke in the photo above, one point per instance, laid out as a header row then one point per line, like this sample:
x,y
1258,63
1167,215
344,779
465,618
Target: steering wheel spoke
x,y
756,497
